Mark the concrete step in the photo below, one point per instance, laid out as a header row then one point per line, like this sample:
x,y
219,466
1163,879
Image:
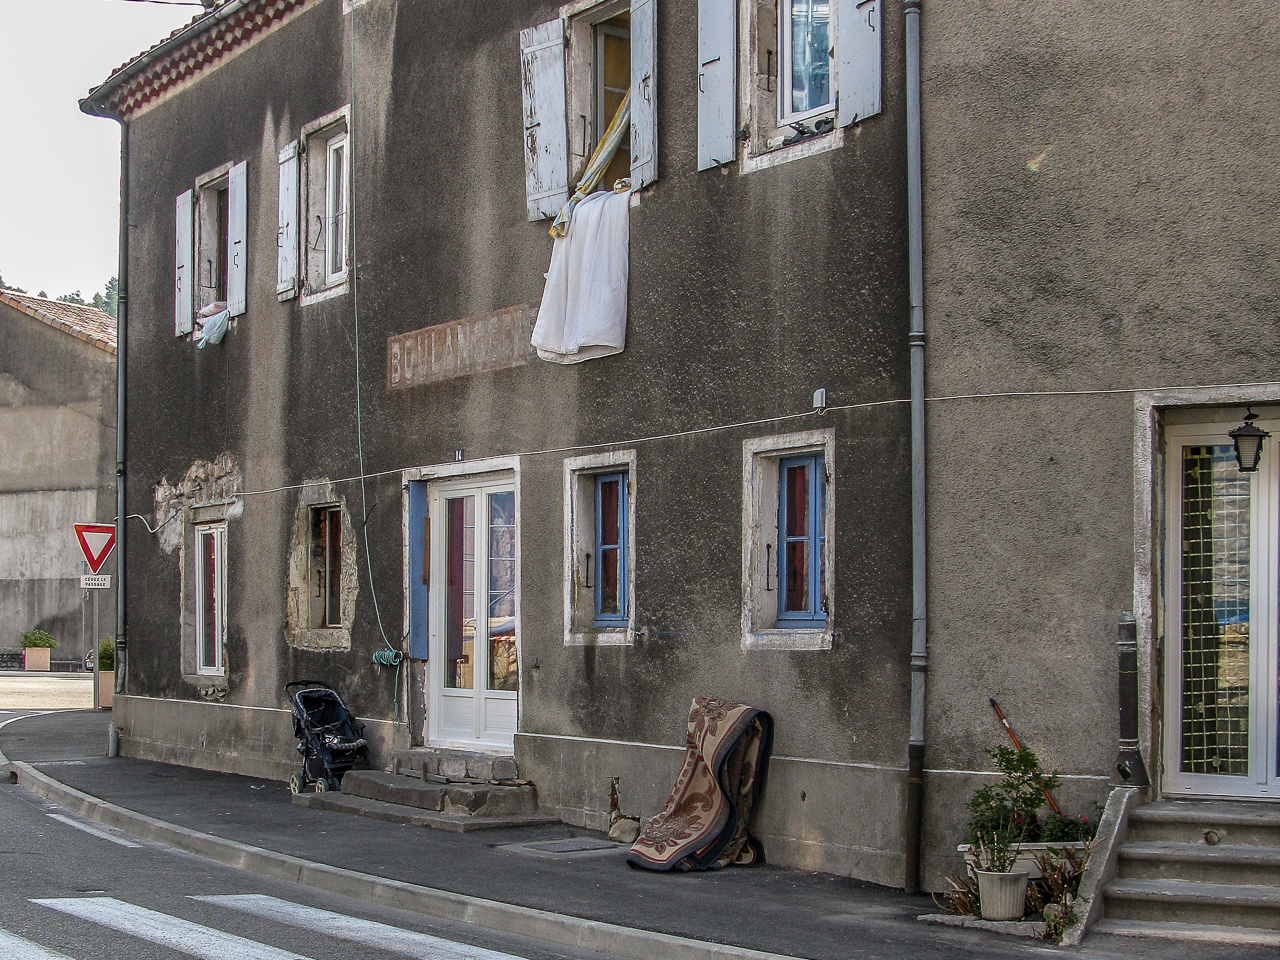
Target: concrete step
x,y
413,816
457,799
455,764
1182,901
1240,823
1204,933
1199,862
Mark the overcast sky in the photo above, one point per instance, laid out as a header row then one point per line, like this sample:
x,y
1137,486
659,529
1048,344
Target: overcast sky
x,y
60,169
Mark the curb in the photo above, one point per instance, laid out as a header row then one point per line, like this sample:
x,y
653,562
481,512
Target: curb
x,y
556,928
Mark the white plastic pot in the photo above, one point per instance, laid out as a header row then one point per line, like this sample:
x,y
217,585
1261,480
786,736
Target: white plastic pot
x,y
1003,896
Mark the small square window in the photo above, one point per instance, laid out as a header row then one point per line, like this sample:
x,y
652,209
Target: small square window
x,y
210,590
599,562
787,539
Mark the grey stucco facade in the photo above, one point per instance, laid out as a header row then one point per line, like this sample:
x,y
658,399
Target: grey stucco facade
x,y
57,468
1100,241
748,291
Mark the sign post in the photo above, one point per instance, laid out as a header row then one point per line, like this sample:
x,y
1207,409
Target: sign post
x,y
96,543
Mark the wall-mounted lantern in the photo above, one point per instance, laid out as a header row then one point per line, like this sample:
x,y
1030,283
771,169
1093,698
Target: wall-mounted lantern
x,y
1248,440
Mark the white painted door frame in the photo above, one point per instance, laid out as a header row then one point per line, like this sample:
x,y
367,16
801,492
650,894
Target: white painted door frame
x,y
493,713
1262,780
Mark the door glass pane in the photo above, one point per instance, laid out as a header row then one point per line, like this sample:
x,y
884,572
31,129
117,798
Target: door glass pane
x,y
810,61
1215,612
209,598
460,593
503,669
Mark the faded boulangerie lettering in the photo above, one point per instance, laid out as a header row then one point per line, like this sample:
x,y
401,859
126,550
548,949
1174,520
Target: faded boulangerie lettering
x,y
492,341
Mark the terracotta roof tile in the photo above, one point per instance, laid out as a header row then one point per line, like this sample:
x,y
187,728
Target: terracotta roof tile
x,y
82,322
136,82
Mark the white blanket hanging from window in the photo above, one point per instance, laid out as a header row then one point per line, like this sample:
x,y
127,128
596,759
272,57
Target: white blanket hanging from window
x,y
584,306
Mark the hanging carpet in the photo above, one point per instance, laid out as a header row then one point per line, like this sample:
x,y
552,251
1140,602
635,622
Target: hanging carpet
x,y
705,823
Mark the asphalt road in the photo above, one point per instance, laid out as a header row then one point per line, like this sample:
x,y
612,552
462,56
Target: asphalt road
x,y
70,887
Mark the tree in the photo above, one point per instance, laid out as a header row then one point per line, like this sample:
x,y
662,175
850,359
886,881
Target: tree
x,y
5,286
73,298
107,300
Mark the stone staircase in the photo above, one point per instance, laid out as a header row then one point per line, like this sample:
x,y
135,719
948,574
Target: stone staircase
x,y
1198,870
445,789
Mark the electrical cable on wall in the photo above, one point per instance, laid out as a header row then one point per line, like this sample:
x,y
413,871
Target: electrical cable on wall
x,y
390,657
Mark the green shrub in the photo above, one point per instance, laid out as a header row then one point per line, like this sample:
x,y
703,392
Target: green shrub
x,y
1003,814
38,638
107,654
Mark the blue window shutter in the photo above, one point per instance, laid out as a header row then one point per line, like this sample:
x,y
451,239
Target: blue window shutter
x,y
717,86
237,255
546,136
419,569
858,61
183,308
644,92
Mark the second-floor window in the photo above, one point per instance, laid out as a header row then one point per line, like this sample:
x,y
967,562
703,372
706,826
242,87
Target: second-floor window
x,y
805,45
335,232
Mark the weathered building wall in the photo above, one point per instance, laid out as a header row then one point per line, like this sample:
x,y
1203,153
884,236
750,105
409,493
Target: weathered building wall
x,y
57,468
1099,215
747,293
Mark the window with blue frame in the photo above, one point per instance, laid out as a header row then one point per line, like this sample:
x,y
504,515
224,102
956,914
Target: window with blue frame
x,y
611,549
802,508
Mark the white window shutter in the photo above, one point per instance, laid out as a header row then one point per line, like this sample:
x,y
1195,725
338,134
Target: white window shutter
x,y
644,92
858,66
546,137
183,321
717,86
237,259
287,237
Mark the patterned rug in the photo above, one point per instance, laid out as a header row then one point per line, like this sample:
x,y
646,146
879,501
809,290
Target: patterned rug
x,y
705,823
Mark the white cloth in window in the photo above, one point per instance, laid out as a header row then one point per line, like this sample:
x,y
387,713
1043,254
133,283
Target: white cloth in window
x,y
584,305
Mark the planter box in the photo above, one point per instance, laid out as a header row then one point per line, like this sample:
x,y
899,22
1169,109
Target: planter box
x,y
106,686
1026,855
35,658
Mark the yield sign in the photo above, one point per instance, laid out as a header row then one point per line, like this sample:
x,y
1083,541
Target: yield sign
x,y
96,541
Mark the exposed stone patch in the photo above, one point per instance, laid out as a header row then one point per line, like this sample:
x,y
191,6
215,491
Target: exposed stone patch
x,y
204,483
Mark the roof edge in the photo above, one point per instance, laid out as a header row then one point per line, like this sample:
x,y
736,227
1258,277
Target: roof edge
x,y
95,103
60,325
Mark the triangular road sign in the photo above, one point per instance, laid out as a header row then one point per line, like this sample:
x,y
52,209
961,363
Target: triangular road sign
x,y
96,542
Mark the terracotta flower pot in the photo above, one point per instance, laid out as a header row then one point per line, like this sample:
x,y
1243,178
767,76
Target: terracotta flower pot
x,y
35,658
106,686
1003,896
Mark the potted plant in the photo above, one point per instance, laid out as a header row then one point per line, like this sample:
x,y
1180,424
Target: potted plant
x,y
1003,814
35,650
106,671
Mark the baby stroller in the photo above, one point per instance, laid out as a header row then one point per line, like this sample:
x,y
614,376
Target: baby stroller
x,y
329,739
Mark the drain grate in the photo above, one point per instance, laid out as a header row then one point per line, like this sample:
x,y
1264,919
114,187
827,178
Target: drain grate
x,y
572,845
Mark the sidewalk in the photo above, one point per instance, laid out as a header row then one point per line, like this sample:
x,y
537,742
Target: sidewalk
x,y
767,909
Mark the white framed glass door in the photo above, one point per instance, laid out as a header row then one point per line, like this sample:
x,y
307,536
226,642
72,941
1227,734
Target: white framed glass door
x,y
474,639
1222,541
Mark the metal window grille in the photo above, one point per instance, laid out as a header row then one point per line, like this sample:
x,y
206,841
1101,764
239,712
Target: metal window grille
x,y
1215,612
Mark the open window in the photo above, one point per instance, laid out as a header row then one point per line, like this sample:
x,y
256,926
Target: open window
x,y
788,538
576,72
599,560
326,566
314,235
807,69
322,586
211,261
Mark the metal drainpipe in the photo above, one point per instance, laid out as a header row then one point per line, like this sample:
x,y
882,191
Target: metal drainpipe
x,y
122,310
919,636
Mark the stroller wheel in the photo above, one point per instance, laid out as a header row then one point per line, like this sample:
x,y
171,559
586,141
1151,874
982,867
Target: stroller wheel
x,y
322,785
295,783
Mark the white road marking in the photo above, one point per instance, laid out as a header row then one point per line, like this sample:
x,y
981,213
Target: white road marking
x,y
96,831
172,932
13,947
408,943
